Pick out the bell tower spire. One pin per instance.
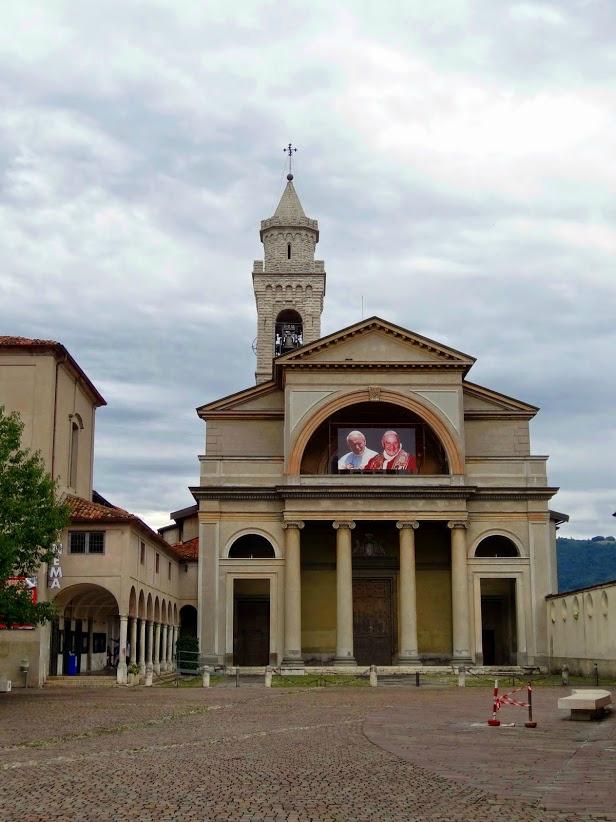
(289, 284)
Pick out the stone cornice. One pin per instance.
(349, 492)
(372, 365)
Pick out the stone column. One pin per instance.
(292, 597)
(157, 647)
(149, 665)
(133, 640)
(344, 594)
(142, 647)
(170, 633)
(163, 650)
(90, 644)
(121, 672)
(408, 653)
(459, 593)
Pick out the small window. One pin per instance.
(288, 251)
(78, 542)
(157, 563)
(99, 643)
(87, 542)
(142, 553)
(96, 542)
(169, 572)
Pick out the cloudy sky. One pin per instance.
(458, 154)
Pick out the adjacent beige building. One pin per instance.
(118, 586)
(444, 554)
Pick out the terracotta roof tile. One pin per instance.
(187, 551)
(27, 342)
(83, 510)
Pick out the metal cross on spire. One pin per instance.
(289, 150)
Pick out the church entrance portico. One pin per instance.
(378, 592)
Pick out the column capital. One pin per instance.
(457, 523)
(411, 523)
(347, 523)
(293, 524)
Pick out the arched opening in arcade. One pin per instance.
(373, 438)
(188, 621)
(85, 633)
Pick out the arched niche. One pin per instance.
(251, 546)
(496, 546)
(335, 444)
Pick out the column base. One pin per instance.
(149, 670)
(122, 673)
(292, 665)
(461, 660)
(408, 659)
(345, 662)
(157, 668)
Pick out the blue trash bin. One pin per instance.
(72, 665)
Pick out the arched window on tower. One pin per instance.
(288, 332)
(73, 460)
(288, 251)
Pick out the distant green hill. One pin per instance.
(583, 562)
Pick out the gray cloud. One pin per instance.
(458, 156)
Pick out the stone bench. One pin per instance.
(587, 703)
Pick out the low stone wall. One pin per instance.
(582, 630)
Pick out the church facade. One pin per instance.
(364, 502)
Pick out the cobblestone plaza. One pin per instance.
(331, 753)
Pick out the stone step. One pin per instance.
(80, 681)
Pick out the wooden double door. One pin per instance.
(373, 622)
(251, 630)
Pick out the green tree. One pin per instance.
(31, 518)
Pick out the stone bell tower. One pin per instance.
(289, 284)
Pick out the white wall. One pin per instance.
(582, 630)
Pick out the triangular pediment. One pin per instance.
(263, 401)
(484, 403)
(375, 342)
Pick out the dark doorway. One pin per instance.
(251, 623)
(372, 621)
(54, 647)
(188, 621)
(498, 622)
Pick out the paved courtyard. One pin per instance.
(320, 754)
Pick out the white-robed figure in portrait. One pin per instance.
(358, 455)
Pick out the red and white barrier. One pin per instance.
(507, 699)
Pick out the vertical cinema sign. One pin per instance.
(54, 574)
